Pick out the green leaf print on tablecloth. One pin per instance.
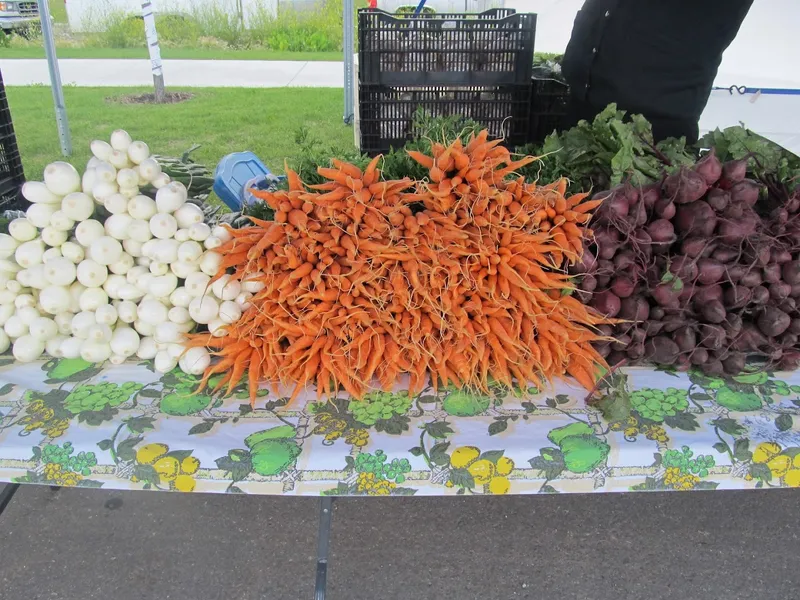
(65, 422)
(64, 370)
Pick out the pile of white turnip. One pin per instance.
(100, 271)
(697, 276)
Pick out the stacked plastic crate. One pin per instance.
(475, 65)
(549, 102)
(11, 174)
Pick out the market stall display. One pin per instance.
(318, 294)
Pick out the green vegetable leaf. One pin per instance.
(741, 450)
(683, 421)
(784, 422)
(438, 429)
(125, 449)
(721, 447)
(498, 426)
(729, 426)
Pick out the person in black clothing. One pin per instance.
(653, 57)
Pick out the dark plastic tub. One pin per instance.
(489, 48)
(386, 113)
(549, 100)
(11, 174)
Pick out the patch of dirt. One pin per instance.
(169, 98)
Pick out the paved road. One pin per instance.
(177, 73)
(97, 545)
(244, 73)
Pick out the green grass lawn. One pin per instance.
(223, 120)
(174, 53)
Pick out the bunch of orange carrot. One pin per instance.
(457, 279)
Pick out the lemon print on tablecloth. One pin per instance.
(150, 453)
(765, 451)
(177, 469)
(463, 456)
(481, 471)
(783, 464)
(469, 468)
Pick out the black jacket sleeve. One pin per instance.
(655, 57)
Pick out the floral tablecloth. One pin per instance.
(69, 423)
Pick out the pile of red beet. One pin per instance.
(702, 268)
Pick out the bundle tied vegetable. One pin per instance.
(702, 269)
(458, 278)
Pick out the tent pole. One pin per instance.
(349, 62)
(55, 79)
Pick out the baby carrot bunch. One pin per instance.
(457, 279)
(473, 181)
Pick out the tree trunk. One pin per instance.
(154, 50)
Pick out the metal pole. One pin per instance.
(55, 79)
(240, 9)
(323, 541)
(154, 49)
(349, 63)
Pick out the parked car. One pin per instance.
(18, 15)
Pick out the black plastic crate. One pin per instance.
(11, 174)
(386, 113)
(494, 47)
(549, 101)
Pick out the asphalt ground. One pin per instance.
(94, 544)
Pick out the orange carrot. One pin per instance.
(460, 280)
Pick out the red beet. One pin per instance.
(791, 272)
(773, 321)
(684, 268)
(718, 199)
(694, 247)
(685, 186)
(697, 218)
(606, 303)
(662, 350)
(713, 312)
(664, 208)
(649, 195)
(709, 271)
(699, 356)
(622, 286)
(712, 336)
(734, 231)
(759, 295)
(733, 172)
(686, 338)
(709, 167)
(634, 308)
(661, 231)
(707, 293)
(745, 192)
